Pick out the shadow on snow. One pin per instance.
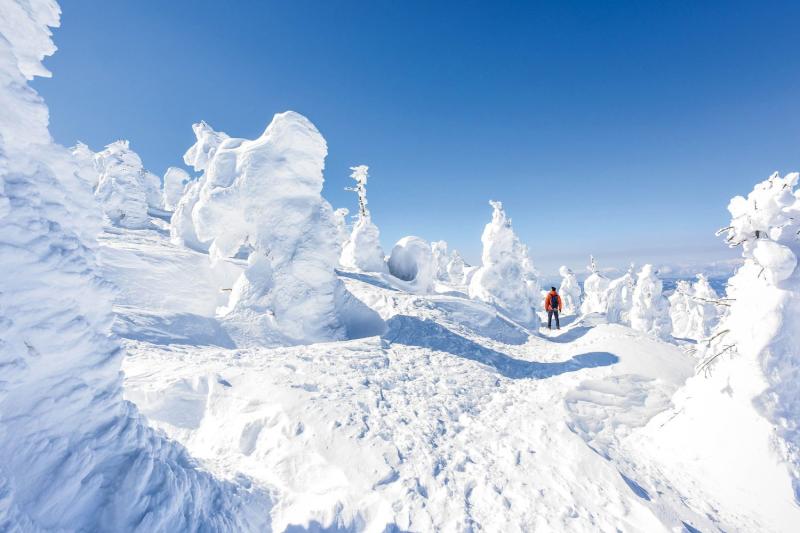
(413, 331)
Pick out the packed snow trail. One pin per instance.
(455, 419)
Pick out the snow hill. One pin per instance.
(192, 358)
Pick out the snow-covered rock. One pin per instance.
(363, 249)
(619, 298)
(502, 280)
(175, 181)
(595, 290)
(570, 291)
(122, 189)
(265, 195)
(411, 260)
(75, 455)
(650, 310)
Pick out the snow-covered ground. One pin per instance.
(454, 419)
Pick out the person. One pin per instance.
(552, 304)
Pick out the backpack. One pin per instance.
(554, 301)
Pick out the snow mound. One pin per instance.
(504, 278)
(570, 291)
(411, 260)
(76, 456)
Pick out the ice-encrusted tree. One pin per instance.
(122, 189)
(501, 280)
(76, 456)
(340, 219)
(570, 291)
(363, 249)
(175, 181)
(455, 268)
(595, 290)
(650, 310)
(265, 195)
(440, 260)
(619, 299)
(694, 309)
(531, 275)
(680, 309)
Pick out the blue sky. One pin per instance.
(615, 128)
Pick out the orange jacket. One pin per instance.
(547, 306)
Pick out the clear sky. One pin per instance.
(615, 128)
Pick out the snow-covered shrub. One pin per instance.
(693, 309)
(619, 299)
(175, 181)
(265, 195)
(121, 189)
(650, 310)
(570, 291)
(440, 260)
(363, 250)
(501, 280)
(680, 309)
(411, 260)
(455, 269)
(75, 456)
(595, 290)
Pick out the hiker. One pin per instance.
(552, 304)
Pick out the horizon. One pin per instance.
(615, 130)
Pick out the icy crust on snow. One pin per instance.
(411, 260)
(737, 421)
(505, 278)
(75, 455)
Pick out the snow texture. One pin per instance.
(456, 269)
(570, 291)
(175, 181)
(123, 188)
(363, 249)
(650, 310)
(440, 260)
(411, 260)
(76, 456)
(619, 298)
(504, 278)
(595, 290)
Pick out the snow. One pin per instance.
(570, 291)
(363, 251)
(595, 290)
(650, 310)
(505, 278)
(408, 405)
(411, 260)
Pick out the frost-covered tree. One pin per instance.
(650, 310)
(619, 299)
(265, 195)
(340, 219)
(595, 290)
(570, 291)
(363, 249)
(440, 260)
(121, 188)
(411, 260)
(502, 278)
(175, 181)
(531, 275)
(681, 307)
(75, 455)
(455, 268)
(694, 309)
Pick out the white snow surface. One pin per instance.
(175, 181)
(650, 310)
(595, 290)
(411, 260)
(123, 188)
(570, 291)
(619, 298)
(363, 250)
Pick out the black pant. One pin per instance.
(550, 313)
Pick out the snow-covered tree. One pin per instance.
(595, 290)
(440, 260)
(619, 299)
(501, 280)
(340, 219)
(411, 260)
(76, 456)
(650, 310)
(570, 291)
(363, 249)
(531, 275)
(175, 181)
(455, 268)
(681, 307)
(694, 309)
(266, 194)
(121, 188)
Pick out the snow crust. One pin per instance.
(505, 279)
(76, 456)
